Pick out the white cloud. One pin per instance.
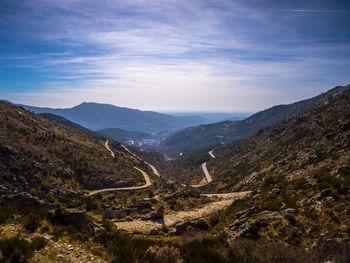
(169, 55)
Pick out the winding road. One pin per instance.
(109, 149)
(148, 182)
(154, 169)
(172, 219)
(208, 177)
(211, 154)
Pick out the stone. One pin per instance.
(290, 211)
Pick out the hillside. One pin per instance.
(300, 172)
(206, 136)
(95, 116)
(37, 152)
(61, 120)
(295, 210)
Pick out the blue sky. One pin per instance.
(189, 55)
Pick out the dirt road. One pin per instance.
(148, 182)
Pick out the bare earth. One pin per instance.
(145, 226)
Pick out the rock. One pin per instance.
(75, 211)
(104, 205)
(158, 213)
(24, 198)
(141, 205)
(246, 213)
(277, 191)
(249, 229)
(290, 211)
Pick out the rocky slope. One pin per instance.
(38, 153)
(300, 172)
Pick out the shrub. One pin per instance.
(204, 250)
(32, 222)
(18, 249)
(38, 243)
(162, 254)
(5, 214)
(247, 251)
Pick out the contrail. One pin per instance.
(318, 11)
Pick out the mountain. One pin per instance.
(206, 136)
(297, 209)
(299, 171)
(95, 116)
(124, 135)
(212, 117)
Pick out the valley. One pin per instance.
(165, 131)
(281, 178)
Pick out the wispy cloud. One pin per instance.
(188, 55)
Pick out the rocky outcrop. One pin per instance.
(24, 198)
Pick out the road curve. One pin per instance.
(148, 182)
(206, 172)
(154, 169)
(109, 149)
(211, 154)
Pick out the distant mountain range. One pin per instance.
(206, 136)
(212, 117)
(95, 116)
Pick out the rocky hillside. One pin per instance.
(300, 172)
(206, 136)
(38, 153)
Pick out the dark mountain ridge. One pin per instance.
(61, 120)
(210, 135)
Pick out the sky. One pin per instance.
(205, 55)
